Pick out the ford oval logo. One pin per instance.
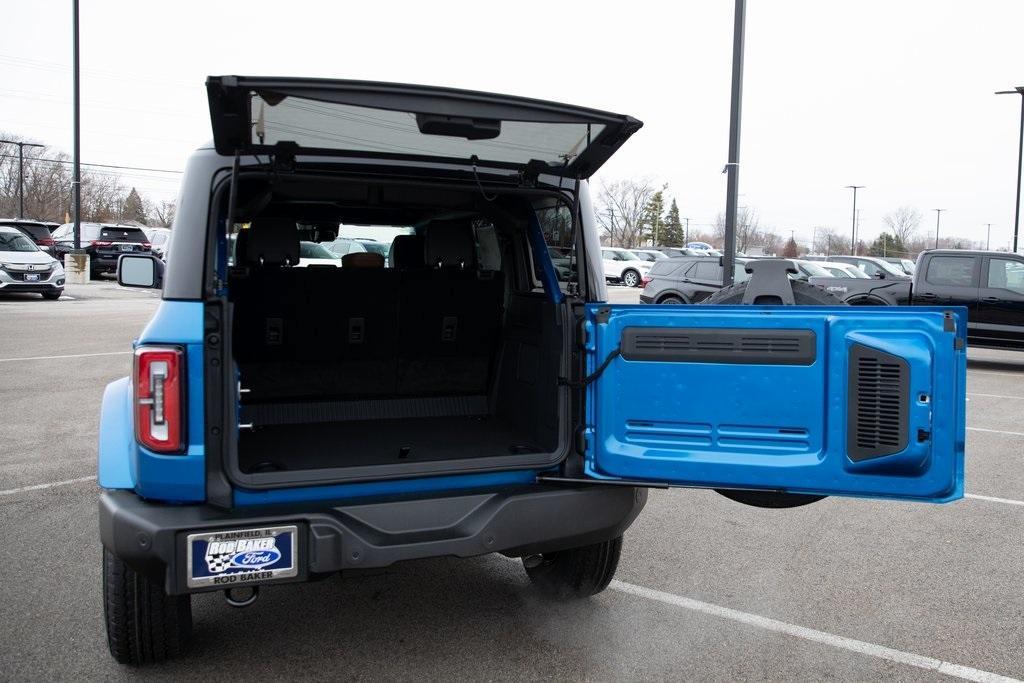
(255, 559)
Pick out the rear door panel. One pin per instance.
(842, 401)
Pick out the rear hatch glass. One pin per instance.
(123, 235)
(387, 120)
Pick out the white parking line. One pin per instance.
(48, 485)
(993, 499)
(994, 431)
(1017, 398)
(72, 355)
(841, 642)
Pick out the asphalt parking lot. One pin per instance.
(707, 588)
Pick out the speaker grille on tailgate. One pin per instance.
(879, 396)
(741, 346)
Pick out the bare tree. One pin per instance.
(903, 223)
(621, 210)
(771, 242)
(747, 228)
(162, 213)
(829, 241)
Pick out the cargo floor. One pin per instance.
(377, 442)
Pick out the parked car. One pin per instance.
(159, 240)
(675, 252)
(286, 424)
(37, 231)
(375, 246)
(104, 242)
(342, 246)
(874, 267)
(837, 269)
(24, 267)
(904, 264)
(622, 265)
(808, 269)
(316, 254)
(649, 255)
(686, 280)
(989, 284)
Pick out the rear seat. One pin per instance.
(450, 316)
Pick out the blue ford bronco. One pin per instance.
(288, 419)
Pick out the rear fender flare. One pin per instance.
(117, 437)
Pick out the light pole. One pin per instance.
(21, 171)
(733, 165)
(938, 215)
(1019, 90)
(686, 232)
(988, 237)
(853, 221)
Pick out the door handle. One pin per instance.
(927, 295)
(991, 299)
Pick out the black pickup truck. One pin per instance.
(989, 283)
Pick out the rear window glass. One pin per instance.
(327, 125)
(951, 271)
(314, 250)
(665, 267)
(123, 234)
(36, 232)
(556, 226)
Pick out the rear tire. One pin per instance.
(145, 625)
(804, 294)
(577, 572)
(674, 300)
(631, 278)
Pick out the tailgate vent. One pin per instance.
(879, 404)
(730, 346)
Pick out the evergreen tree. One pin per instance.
(672, 228)
(133, 210)
(791, 250)
(887, 245)
(653, 219)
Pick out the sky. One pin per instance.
(896, 96)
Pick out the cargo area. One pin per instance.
(442, 349)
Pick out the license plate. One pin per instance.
(237, 557)
(127, 247)
(31, 277)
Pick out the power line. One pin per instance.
(67, 161)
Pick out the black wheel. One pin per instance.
(144, 624)
(671, 299)
(575, 573)
(631, 278)
(53, 296)
(804, 294)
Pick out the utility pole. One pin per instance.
(1019, 90)
(77, 181)
(686, 232)
(21, 171)
(938, 215)
(732, 167)
(988, 237)
(853, 220)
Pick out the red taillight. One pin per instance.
(146, 245)
(101, 243)
(46, 242)
(645, 280)
(159, 398)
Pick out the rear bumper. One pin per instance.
(152, 537)
(644, 299)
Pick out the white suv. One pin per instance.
(624, 266)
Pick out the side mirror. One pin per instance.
(880, 275)
(140, 270)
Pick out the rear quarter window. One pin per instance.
(664, 268)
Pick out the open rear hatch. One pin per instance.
(257, 115)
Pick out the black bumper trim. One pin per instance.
(539, 518)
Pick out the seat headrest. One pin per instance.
(406, 252)
(272, 242)
(362, 259)
(450, 244)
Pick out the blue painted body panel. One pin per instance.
(775, 426)
(245, 497)
(122, 462)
